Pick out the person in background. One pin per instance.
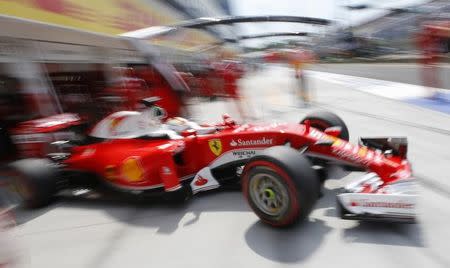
(431, 43)
(230, 71)
(299, 59)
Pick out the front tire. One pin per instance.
(324, 119)
(35, 181)
(280, 186)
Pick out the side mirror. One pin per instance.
(333, 131)
(189, 132)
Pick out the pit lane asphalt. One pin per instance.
(397, 72)
(219, 230)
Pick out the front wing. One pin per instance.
(395, 202)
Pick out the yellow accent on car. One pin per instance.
(337, 142)
(362, 151)
(132, 169)
(215, 145)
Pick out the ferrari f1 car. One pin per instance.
(280, 166)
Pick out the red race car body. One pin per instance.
(136, 152)
(223, 146)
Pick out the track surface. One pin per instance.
(397, 72)
(219, 230)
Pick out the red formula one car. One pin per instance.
(280, 166)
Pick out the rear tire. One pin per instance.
(324, 119)
(280, 186)
(35, 181)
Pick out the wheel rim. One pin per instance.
(269, 194)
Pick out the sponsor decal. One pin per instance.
(381, 204)
(319, 135)
(200, 181)
(244, 154)
(215, 145)
(350, 153)
(114, 123)
(241, 142)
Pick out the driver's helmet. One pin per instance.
(158, 112)
(154, 116)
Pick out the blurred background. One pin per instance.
(383, 64)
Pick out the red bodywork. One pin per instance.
(33, 137)
(144, 164)
(431, 41)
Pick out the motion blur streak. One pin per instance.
(72, 72)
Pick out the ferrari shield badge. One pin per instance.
(216, 146)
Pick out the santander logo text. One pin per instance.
(241, 142)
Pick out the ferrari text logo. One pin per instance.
(216, 146)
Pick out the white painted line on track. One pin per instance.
(388, 89)
(405, 65)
